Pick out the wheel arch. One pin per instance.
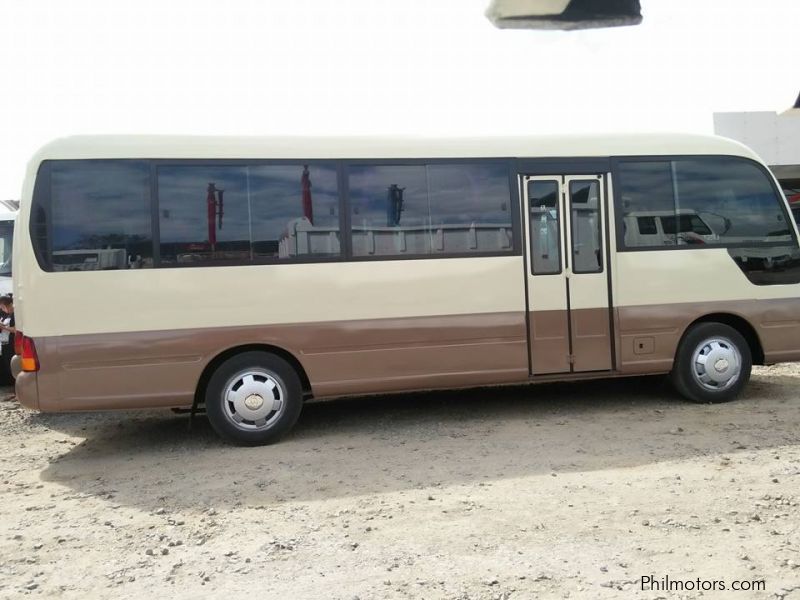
(738, 323)
(211, 366)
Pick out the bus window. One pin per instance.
(545, 226)
(587, 250)
(242, 213)
(97, 208)
(703, 200)
(430, 209)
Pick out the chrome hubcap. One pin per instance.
(253, 399)
(716, 364)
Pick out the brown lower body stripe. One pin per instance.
(162, 368)
(649, 335)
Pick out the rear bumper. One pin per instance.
(27, 389)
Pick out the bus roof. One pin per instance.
(387, 147)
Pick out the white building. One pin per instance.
(774, 136)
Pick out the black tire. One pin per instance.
(683, 374)
(265, 370)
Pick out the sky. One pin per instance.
(411, 67)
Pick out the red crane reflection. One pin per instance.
(214, 201)
(305, 183)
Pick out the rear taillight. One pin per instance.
(29, 362)
(18, 343)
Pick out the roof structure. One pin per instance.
(386, 147)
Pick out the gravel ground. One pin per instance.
(551, 491)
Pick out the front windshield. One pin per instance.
(6, 237)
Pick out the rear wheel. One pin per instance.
(712, 364)
(253, 398)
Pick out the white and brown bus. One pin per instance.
(250, 274)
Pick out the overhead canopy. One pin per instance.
(787, 173)
(563, 14)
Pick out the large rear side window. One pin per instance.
(93, 216)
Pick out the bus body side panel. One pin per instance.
(148, 369)
(355, 327)
(660, 293)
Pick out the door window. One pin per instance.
(545, 222)
(587, 250)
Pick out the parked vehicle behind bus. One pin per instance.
(247, 275)
(8, 215)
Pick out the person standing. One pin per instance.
(7, 334)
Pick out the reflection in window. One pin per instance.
(545, 220)
(430, 209)
(734, 198)
(700, 201)
(647, 225)
(587, 256)
(688, 223)
(646, 190)
(100, 216)
(769, 265)
(247, 213)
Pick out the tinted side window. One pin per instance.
(470, 208)
(779, 265)
(390, 211)
(294, 211)
(734, 198)
(430, 209)
(700, 201)
(646, 193)
(213, 213)
(99, 216)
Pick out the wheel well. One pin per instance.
(223, 356)
(740, 325)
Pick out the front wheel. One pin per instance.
(253, 398)
(712, 364)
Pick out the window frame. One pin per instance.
(619, 213)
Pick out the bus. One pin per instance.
(8, 214)
(246, 276)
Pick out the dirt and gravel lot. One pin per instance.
(552, 491)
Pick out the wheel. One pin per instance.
(712, 364)
(253, 398)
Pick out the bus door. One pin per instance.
(569, 326)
